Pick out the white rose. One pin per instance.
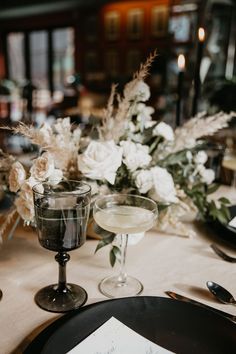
(144, 181)
(135, 155)
(55, 177)
(164, 130)
(16, 177)
(163, 186)
(201, 157)
(139, 90)
(43, 167)
(207, 175)
(100, 160)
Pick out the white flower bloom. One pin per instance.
(149, 124)
(94, 187)
(131, 126)
(62, 125)
(25, 206)
(144, 112)
(135, 155)
(201, 157)
(77, 134)
(140, 91)
(207, 174)
(30, 183)
(43, 167)
(100, 160)
(144, 181)
(163, 186)
(164, 130)
(189, 156)
(16, 177)
(55, 177)
(24, 202)
(45, 134)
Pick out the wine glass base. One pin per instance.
(112, 287)
(53, 299)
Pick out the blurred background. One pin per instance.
(59, 58)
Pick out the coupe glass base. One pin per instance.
(53, 299)
(112, 287)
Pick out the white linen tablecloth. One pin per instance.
(160, 261)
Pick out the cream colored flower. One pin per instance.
(63, 125)
(45, 134)
(16, 177)
(163, 186)
(207, 174)
(139, 91)
(55, 177)
(144, 181)
(164, 130)
(135, 155)
(144, 112)
(43, 167)
(25, 206)
(201, 157)
(100, 160)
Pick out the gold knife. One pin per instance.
(179, 297)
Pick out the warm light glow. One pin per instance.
(181, 62)
(201, 34)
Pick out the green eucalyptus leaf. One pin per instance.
(212, 188)
(112, 257)
(105, 241)
(224, 200)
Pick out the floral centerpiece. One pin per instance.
(132, 153)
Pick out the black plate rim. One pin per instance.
(40, 341)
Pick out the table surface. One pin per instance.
(160, 261)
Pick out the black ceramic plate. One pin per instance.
(225, 232)
(177, 326)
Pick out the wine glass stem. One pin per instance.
(123, 248)
(62, 258)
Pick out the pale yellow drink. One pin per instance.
(122, 219)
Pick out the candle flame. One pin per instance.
(201, 34)
(181, 62)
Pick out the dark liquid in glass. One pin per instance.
(61, 229)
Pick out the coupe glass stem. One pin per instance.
(122, 277)
(62, 258)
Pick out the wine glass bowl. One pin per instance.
(61, 216)
(123, 214)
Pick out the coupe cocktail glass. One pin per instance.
(123, 214)
(61, 215)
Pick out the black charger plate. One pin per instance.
(177, 326)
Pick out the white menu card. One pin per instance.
(113, 337)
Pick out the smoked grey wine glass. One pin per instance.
(61, 215)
